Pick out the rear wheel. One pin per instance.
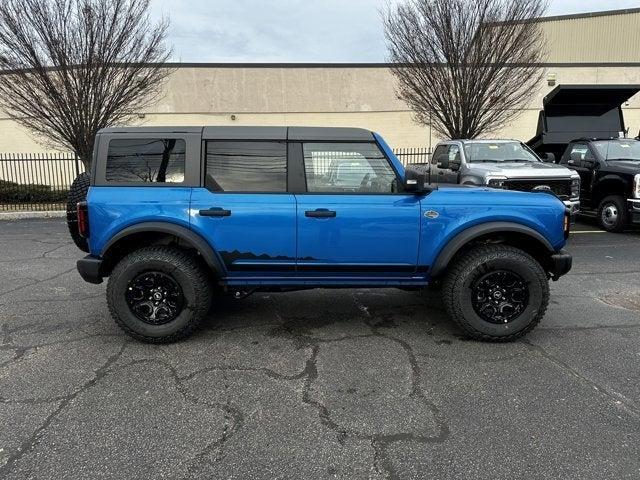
(496, 293)
(159, 294)
(77, 193)
(612, 214)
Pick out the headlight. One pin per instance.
(575, 187)
(636, 186)
(496, 182)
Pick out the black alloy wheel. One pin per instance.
(500, 296)
(155, 298)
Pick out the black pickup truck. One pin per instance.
(609, 170)
(581, 127)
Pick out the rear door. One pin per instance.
(351, 220)
(243, 207)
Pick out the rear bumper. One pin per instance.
(561, 263)
(89, 269)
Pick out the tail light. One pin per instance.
(567, 223)
(83, 219)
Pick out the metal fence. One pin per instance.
(413, 156)
(41, 181)
(36, 181)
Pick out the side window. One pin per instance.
(577, 154)
(440, 150)
(347, 168)
(454, 153)
(246, 166)
(146, 160)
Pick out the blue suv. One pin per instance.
(174, 216)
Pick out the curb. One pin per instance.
(27, 215)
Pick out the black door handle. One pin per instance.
(320, 213)
(215, 212)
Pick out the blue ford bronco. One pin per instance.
(174, 216)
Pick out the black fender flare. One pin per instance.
(599, 185)
(200, 244)
(461, 239)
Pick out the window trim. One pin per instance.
(203, 167)
(191, 160)
(373, 141)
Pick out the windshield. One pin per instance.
(618, 149)
(498, 152)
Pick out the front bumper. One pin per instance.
(573, 206)
(634, 210)
(561, 263)
(89, 269)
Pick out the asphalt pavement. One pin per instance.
(349, 384)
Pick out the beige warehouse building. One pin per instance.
(594, 48)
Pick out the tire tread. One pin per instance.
(77, 193)
(463, 265)
(182, 260)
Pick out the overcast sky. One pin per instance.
(295, 30)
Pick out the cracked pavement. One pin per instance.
(349, 384)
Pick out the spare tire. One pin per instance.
(77, 193)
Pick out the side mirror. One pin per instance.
(414, 181)
(442, 160)
(549, 158)
(455, 165)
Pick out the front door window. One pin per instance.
(347, 168)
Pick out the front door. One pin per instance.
(579, 157)
(351, 220)
(244, 209)
(445, 175)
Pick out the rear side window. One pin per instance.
(246, 166)
(146, 160)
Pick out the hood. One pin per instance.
(521, 169)
(627, 166)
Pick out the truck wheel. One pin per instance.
(496, 293)
(158, 294)
(77, 193)
(612, 214)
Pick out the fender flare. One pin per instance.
(609, 179)
(456, 243)
(201, 245)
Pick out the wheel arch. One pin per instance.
(517, 235)
(609, 185)
(146, 233)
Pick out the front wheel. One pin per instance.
(496, 293)
(612, 214)
(158, 294)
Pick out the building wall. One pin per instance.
(364, 96)
(594, 38)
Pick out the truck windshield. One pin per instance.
(498, 152)
(618, 149)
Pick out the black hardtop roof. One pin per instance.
(318, 134)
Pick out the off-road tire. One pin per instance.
(473, 264)
(77, 193)
(620, 204)
(184, 269)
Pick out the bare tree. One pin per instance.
(465, 67)
(71, 67)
